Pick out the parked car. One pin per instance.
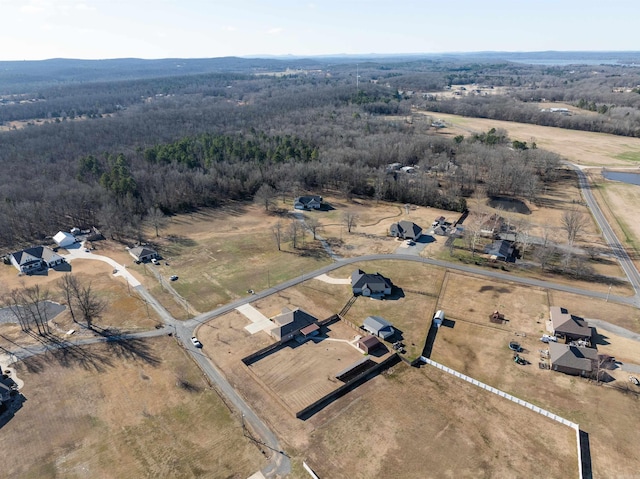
(195, 342)
(410, 242)
(173, 278)
(634, 380)
(547, 338)
(155, 261)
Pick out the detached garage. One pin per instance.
(378, 327)
(64, 239)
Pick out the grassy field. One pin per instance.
(582, 147)
(221, 254)
(143, 411)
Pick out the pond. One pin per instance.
(509, 204)
(630, 178)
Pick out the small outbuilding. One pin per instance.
(378, 327)
(143, 254)
(64, 239)
(368, 344)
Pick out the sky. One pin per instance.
(100, 29)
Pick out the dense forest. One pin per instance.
(112, 151)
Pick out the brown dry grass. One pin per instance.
(478, 348)
(220, 254)
(124, 416)
(582, 147)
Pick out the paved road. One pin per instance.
(607, 232)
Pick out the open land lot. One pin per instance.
(220, 254)
(582, 147)
(479, 348)
(137, 411)
(379, 429)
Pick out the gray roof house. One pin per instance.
(372, 285)
(35, 258)
(500, 249)
(574, 360)
(289, 323)
(568, 326)
(406, 230)
(307, 202)
(142, 253)
(378, 326)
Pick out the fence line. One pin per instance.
(514, 399)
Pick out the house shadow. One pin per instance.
(396, 294)
(39, 272)
(426, 239)
(598, 339)
(62, 267)
(326, 207)
(379, 351)
(605, 377)
(8, 410)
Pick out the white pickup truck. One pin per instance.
(547, 338)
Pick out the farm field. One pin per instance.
(139, 410)
(582, 147)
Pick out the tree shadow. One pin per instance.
(124, 347)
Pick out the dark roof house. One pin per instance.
(307, 202)
(372, 285)
(378, 327)
(35, 258)
(500, 249)
(574, 360)
(568, 326)
(406, 230)
(142, 253)
(289, 323)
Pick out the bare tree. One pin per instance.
(35, 303)
(545, 254)
(574, 222)
(350, 219)
(314, 225)
(90, 304)
(68, 286)
(473, 229)
(296, 231)
(157, 219)
(265, 196)
(523, 235)
(277, 234)
(15, 301)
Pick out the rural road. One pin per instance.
(614, 243)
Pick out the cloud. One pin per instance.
(229, 28)
(274, 31)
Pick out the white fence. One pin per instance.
(514, 399)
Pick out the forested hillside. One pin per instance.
(109, 153)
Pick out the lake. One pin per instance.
(630, 178)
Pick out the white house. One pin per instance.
(64, 239)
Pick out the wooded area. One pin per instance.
(107, 153)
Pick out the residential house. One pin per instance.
(143, 254)
(501, 249)
(574, 360)
(368, 344)
(371, 285)
(378, 327)
(35, 259)
(493, 225)
(289, 323)
(568, 326)
(64, 239)
(307, 202)
(406, 230)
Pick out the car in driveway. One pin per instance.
(195, 342)
(410, 242)
(547, 338)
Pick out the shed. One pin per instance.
(378, 327)
(368, 344)
(64, 239)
